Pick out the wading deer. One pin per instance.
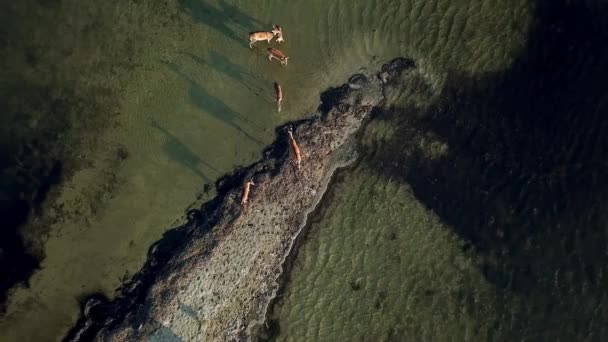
(246, 189)
(278, 31)
(279, 95)
(295, 150)
(278, 55)
(260, 36)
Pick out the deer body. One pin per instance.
(278, 31)
(294, 148)
(246, 189)
(260, 36)
(278, 55)
(279, 95)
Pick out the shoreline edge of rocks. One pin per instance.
(214, 277)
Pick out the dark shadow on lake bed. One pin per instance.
(228, 19)
(52, 114)
(182, 154)
(216, 107)
(237, 72)
(524, 181)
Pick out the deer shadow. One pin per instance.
(227, 19)
(182, 154)
(236, 72)
(215, 107)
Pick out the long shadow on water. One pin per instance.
(525, 179)
(228, 19)
(177, 151)
(234, 71)
(214, 106)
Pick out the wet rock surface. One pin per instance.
(214, 277)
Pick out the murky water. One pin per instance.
(196, 103)
(475, 214)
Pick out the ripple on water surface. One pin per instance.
(202, 103)
(476, 213)
(380, 266)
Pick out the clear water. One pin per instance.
(198, 103)
(379, 266)
(476, 212)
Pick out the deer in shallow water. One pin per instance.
(295, 150)
(260, 36)
(279, 95)
(246, 189)
(278, 55)
(278, 31)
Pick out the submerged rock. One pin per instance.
(391, 70)
(213, 278)
(357, 81)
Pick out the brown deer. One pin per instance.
(279, 95)
(278, 31)
(260, 36)
(278, 55)
(246, 189)
(295, 150)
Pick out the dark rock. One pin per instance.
(395, 67)
(343, 107)
(357, 81)
(194, 216)
(332, 97)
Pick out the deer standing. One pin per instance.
(278, 55)
(260, 36)
(279, 95)
(246, 189)
(278, 31)
(294, 148)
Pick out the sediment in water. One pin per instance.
(214, 277)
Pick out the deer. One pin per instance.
(278, 31)
(260, 36)
(294, 148)
(279, 95)
(246, 189)
(278, 55)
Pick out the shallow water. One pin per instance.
(379, 266)
(474, 214)
(196, 104)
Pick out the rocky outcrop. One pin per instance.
(213, 278)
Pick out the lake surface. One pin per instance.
(194, 102)
(475, 214)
